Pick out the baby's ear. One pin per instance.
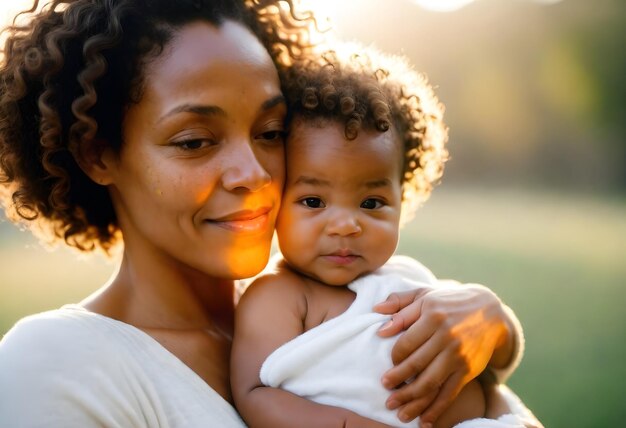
(97, 159)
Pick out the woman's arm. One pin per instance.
(452, 333)
(269, 314)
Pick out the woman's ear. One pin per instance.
(98, 160)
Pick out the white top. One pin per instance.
(341, 361)
(74, 368)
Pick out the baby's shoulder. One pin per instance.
(281, 287)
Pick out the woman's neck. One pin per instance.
(150, 291)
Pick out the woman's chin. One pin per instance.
(246, 263)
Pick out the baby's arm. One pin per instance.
(270, 313)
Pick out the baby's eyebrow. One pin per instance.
(312, 181)
(383, 182)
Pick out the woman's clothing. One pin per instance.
(340, 362)
(74, 368)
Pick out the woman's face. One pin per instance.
(199, 176)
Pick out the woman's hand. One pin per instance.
(452, 333)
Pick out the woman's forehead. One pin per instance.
(209, 65)
(199, 42)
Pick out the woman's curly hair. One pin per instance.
(363, 88)
(70, 69)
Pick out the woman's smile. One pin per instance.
(245, 221)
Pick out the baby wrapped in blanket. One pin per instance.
(366, 141)
(340, 362)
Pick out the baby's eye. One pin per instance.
(312, 202)
(372, 204)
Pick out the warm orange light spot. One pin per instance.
(247, 255)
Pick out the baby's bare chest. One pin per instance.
(325, 303)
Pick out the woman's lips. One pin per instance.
(245, 221)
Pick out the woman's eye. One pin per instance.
(274, 136)
(312, 203)
(193, 144)
(372, 204)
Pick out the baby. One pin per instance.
(366, 146)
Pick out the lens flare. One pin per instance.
(452, 5)
(324, 11)
(442, 5)
(8, 10)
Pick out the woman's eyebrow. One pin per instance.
(210, 110)
(203, 110)
(272, 102)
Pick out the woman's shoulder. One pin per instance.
(72, 367)
(58, 366)
(63, 333)
(67, 342)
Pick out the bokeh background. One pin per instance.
(533, 201)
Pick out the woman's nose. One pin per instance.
(343, 223)
(243, 170)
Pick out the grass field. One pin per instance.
(559, 261)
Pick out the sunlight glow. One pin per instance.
(452, 5)
(442, 5)
(324, 11)
(8, 9)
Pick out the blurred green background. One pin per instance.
(557, 259)
(533, 202)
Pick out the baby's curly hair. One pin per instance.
(68, 72)
(363, 88)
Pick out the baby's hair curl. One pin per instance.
(68, 72)
(363, 88)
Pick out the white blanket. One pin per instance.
(340, 362)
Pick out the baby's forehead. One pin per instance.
(319, 150)
(309, 124)
(307, 134)
(317, 121)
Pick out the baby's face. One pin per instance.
(340, 211)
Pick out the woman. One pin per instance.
(160, 123)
